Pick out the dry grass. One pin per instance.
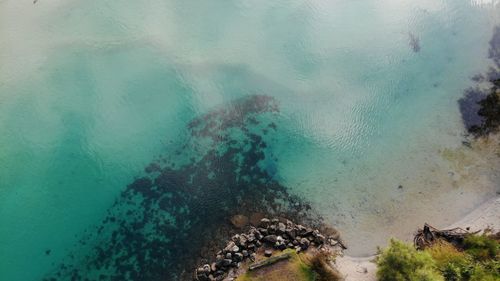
(324, 272)
(300, 267)
(443, 252)
(294, 269)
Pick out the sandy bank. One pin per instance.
(487, 215)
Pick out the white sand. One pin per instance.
(487, 215)
(359, 269)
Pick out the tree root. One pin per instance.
(427, 236)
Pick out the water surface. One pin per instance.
(349, 107)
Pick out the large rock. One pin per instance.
(238, 257)
(203, 272)
(272, 229)
(250, 238)
(281, 228)
(242, 241)
(235, 249)
(279, 245)
(304, 243)
(229, 246)
(263, 231)
(255, 233)
(290, 232)
(320, 239)
(270, 239)
(264, 223)
(235, 238)
(226, 262)
(218, 258)
(306, 231)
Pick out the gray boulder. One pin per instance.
(270, 239)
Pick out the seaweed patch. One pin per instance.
(162, 222)
(480, 106)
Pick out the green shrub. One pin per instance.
(456, 272)
(481, 247)
(482, 273)
(402, 262)
(493, 266)
(478, 260)
(489, 270)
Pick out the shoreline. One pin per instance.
(262, 239)
(485, 216)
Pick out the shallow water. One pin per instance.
(93, 92)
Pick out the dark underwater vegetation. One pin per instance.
(163, 220)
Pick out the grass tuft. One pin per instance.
(320, 265)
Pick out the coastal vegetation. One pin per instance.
(474, 258)
(275, 249)
(401, 261)
(322, 269)
(299, 267)
(295, 268)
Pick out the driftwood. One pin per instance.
(429, 235)
(269, 261)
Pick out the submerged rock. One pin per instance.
(414, 42)
(239, 221)
(255, 218)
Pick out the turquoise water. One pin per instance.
(93, 92)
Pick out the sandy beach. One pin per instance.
(486, 216)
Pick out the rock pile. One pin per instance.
(272, 234)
